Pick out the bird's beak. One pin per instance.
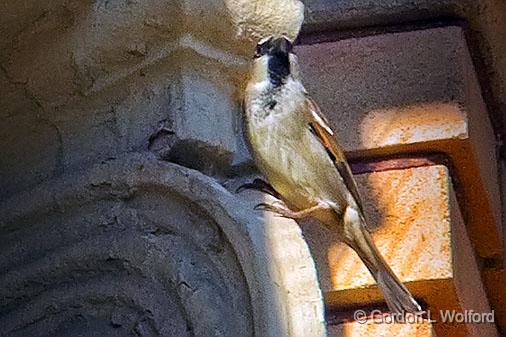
(281, 46)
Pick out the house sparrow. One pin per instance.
(294, 147)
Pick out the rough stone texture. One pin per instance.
(419, 230)
(373, 329)
(261, 18)
(84, 82)
(408, 211)
(483, 18)
(141, 247)
(413, 92)
(133, 245)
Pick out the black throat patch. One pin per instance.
(279, 68)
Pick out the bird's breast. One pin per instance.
(278, 148)
(286, 152)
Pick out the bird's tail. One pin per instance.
(397, 297)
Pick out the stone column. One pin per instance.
(107, 227)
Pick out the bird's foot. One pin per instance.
(281, 210)
(277, 208)
(259, 185)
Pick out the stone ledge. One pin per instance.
(413, 92)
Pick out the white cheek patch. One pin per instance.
(263, 85)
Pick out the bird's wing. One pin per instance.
(321, 130)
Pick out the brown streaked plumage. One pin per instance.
(295, 148)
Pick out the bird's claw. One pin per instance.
(263, 207)
(279, 209)
(247, 186)
(259, 185)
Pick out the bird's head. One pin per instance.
(274, 60)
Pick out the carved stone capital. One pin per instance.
(142, 245)
(89, 80)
